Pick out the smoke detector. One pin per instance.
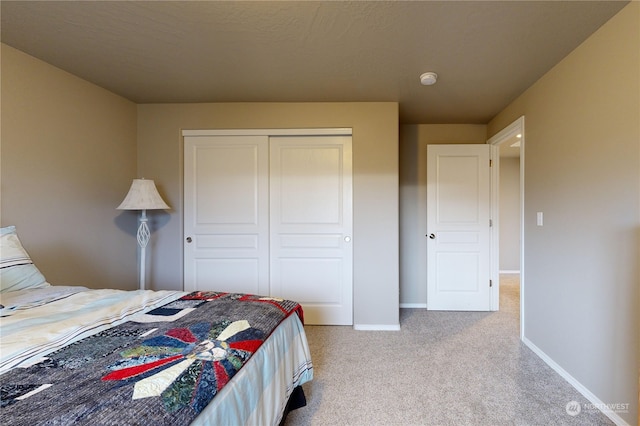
(428, 78)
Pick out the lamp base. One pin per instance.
(143, 239)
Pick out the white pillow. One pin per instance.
(17, 271)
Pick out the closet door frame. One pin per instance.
(347, 317)
(328, 131)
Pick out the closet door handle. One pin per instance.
(432, 236)
(189, 239)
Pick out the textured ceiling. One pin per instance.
(485, 53)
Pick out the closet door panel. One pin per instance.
(241, 275)
(310, 225)
(226, 214)
(322, 279)
(309, 183)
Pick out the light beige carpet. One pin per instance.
(442, 368)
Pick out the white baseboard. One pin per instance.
(414, 305)
(377, 327)
(576, 384)
(509, 271)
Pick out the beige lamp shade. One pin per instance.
(143, 195)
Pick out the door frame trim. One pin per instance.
(334, 131)
(516, 127)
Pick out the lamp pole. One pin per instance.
(143, 240)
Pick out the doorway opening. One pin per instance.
(507, 150)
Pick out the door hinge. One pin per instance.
(490, 163)
(490, 223)
(490, 283)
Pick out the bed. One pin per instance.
(71, 355)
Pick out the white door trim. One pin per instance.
(495, 228)
(334, 131)
(517, 127)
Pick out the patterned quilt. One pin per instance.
(162, 368)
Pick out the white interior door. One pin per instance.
(458, 227)
(226, 214)
(311, 225)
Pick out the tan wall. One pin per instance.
(375, 185)
(582, 169)
(413, 199)
(509, 214)
(67, 160)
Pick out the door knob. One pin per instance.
(432, 236)
(189, 239)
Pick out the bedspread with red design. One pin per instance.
(163, 367)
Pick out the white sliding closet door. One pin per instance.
(226, 214)
(271, 215)
(310, 225)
